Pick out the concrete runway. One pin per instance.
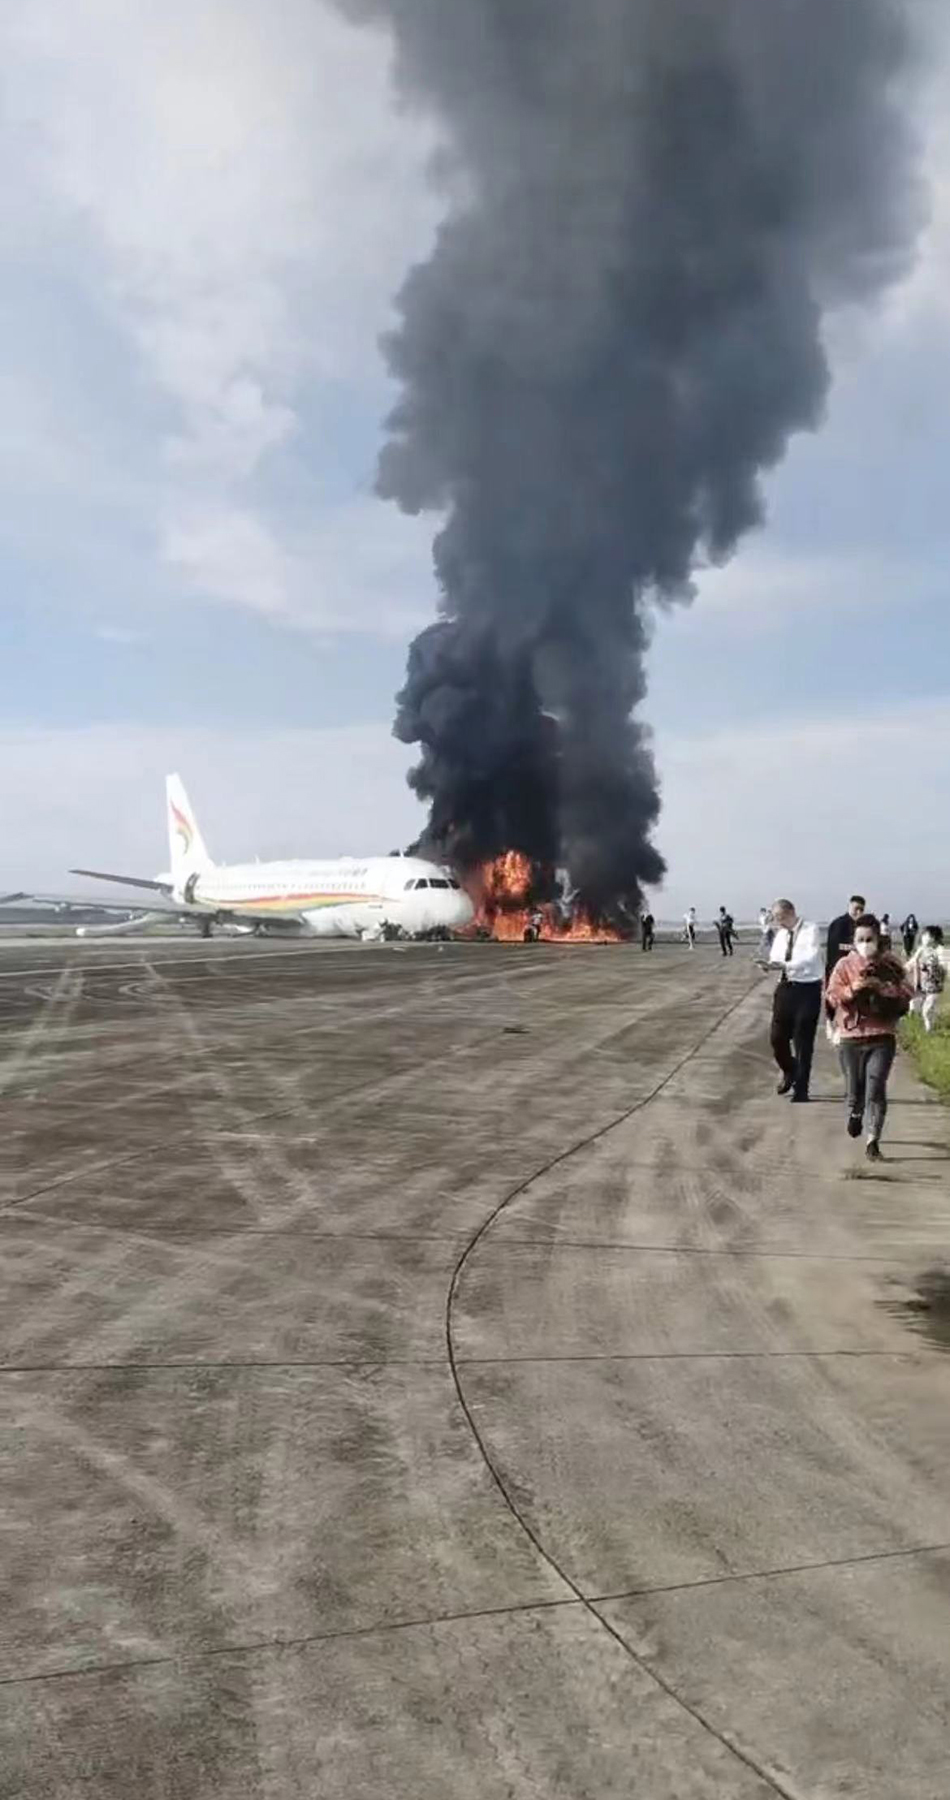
(454, 1375)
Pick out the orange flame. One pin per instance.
(501, 893)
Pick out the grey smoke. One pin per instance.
(619, 329)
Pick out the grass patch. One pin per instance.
(931, 1053)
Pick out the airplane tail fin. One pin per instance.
(187, 849)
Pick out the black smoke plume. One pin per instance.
(654, 203)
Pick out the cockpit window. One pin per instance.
(439, 884)
(409, 887)
(457, 885)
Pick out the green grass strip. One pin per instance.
(931, 1053)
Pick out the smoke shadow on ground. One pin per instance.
(927, 1311)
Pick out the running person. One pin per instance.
(927, 974)
(841, 932)
(725, 925)
(689, 927)
(870, 994)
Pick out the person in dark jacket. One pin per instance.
(841, 933)
(647, 931)
(909, 931)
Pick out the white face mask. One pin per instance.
(927, 941)
(866, 947)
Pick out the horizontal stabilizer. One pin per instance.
(136, 881)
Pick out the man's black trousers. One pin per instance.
(796, 1009)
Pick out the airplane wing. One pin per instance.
(79, 903)
(128, 917)
(136, 881)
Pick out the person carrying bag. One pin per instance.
(870, 994)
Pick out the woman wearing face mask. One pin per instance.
(870, 994)
(927, 974)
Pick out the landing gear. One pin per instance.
(205, 928)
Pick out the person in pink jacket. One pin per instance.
(870, 994)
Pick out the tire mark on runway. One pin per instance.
(387, 1088)
(268, 1168)
(455, 1363)
(289, 1108)
(44, 1031)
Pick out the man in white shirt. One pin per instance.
(689, 922)
(796, 1008)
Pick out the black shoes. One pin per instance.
(855, 1121)
(786, 1084)
(873, 1151)
(800, 1099)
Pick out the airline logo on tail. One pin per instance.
(183, 828)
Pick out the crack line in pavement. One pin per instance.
(261, 1646)
(116, 1162)
(700, 1250)
(438, 1362)
(340, 1361)
(318, 1362)
(454, 1362)
(624, 1356)
(805, 1568)
(157, 1233)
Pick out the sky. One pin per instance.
(207, 208)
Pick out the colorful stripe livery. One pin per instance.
(286, 902)
(183, 828)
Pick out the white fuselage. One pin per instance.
(346, 898)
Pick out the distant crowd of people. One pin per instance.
(865, 986)
(725, 926)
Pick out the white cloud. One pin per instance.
(229, 187)
(120, 636)
(229, 554)
(95, 796)
(814, 810)
(765, 585)
(368, 568)
(359, 567)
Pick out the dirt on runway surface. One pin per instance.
(434, 1373)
